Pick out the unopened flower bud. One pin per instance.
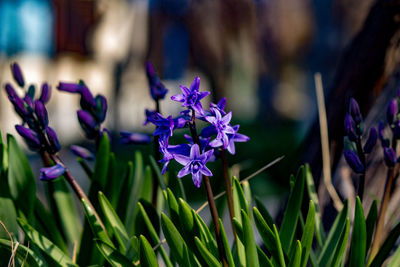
(45, 94)
(391, 111)
(349, 127)
(371, 141)
(354, 161)
(41, 113)
(17, 74)
(87, 100)
(101, 108)
(82, 152)
(389, 156)
(31, 137)
(354, 110)
(69, 87)
(53, 140)
(50, 173)
(88, 123)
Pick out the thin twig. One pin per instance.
(325, 142)
(11, 240)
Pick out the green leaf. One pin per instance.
(207, 255)
(225, 241)
(264, 212)
(319, 230)
(20, 178)
(133, 249)
(147, 255)
(85, 167)
(386, 247)
(173, 206)
(112, 190)
(248, 196)
(371, 221)
(249, 241)
(156, 169)
(395, 260)
(147, 186)
(308, 234)
(263, 259)
(239, 202)
(8, 213)
(359, 237)
(45, 245)
(325, 256)
(296, 259)
(134, 193)
(116, 224)
(205, 234)
(291, 215)
(281, 253)
(24, 254)
(113, 256)
(102, 162)
(95, 225)
(154, 236)
(341, 246)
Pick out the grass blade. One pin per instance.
(147, 256)
(358, 247)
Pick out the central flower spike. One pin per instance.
(195, 164)
(191, 97)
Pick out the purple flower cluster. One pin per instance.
(354, 127)
(34, 129)
(199, 149)
(93, 109)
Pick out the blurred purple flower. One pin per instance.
(389, 156)
(191, 97)
(31, 138)
(157, 89)
(41, 113)
(134, 138)
(17, 74)
(50, 173)
(354, 111)
(349, 127)
(220, 106)
(53, 140)
(88, 123)
(81, 152)
(69, 87)
(222, 127)
(371, 141)
(354, 161)
(45, 94)
(101, 108)
(391, 111)
(87, 100)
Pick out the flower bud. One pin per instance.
(157, 89)
(87, 100)
(371, 141)
(391, 111)
(50, 173)
(31, 137)
(82, 152)
(69, 87)
(41, 113)
(29, 102)
(134, 138)
(354, 110)
(389, 156)
(354, 161)
(17, 74)
(53, 140)
(31, 91)
(19, 107)
(45, 94)
(88, 123)
(10, 91)
(349, 127)
(101, 108)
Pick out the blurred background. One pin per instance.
(260, 54)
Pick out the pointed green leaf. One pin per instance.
(371, 221)
(112, 190)
(102, 162)
(281, 253)
(113, 256)
(395, 260)
(225, 241)
(308, 234)
(205, 234)
(85, 167)
(325, 256)
(359, 237)
(249, 241)
(159, 176)
(263, 259)
(264, 212)
(239, 202)
(173, 206)
(116, 224)
(341, 246)
(133, 249)
(147, 255)
(296, 259)
(45, 245)
(147, 186)
(207, 255)
(386, 247)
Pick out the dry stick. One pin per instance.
(325, 142)
(223, 193)
(12, 243)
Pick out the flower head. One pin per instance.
(81, 152)
(222, 127)
(17, 74)
(45, 94)
(157, 89)
(354, 111)
(195, 164)
(50, 173)
(191, 97)
(354, 161)
(31, 138)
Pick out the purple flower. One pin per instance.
(354, 111)
(134, 138)
(237, 137)
(50, 173)
(391, 111)
(165, 127)
(354, 161)
(10, 91)
(87, 100)
(53, 140)
(195, 164)
(69, 87)
(191, 97)
(41, 113)
(153, 116)
(389, 156)
(17, 74)
(349, 127)
(220, 106)
(222, 127)
(31, 138)
(81, 152)
(371, 141)
(157, 89)
(169, 151)
(45, 94)
(101, 108)
(88, 123)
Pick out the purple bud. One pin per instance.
(101, 108)
(17, 74)
(128, 138)
(31, 91)
(157, 89)
(354, 161)
(10, 91)
(41, 113)
(87, 100)
(349, 127)
(391, 111)
(31, 137)
(50, 173)
(354, 110)
(45, 94)
(82, 152)
(29, 102)
(19, 107)
(69, 87)
(389, 156)
(88, 123)
(371, 141)
(382, 135)
(53, 140)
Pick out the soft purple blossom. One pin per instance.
(50, 173)
(165, 127)
(17, 74)
(354, 111)
(191, 97)
(69, 87)
(31, 138)
(153, 116)
(371, 141)
(354, 161)
(222, 127)
(10, 91)
(81, 152)
(389, 156)
(53, 140)
(157, 89)
(88, 123)
(349, 127)
(45, 94)
(391, 111)
(41, 113)
(134, 138)
(169, 151)
(195, 164)
(220, 106)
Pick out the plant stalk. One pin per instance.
(361, 182)
(157, 157)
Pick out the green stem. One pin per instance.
(361, 184)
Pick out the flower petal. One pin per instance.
(185, 171)
(194, 152)
(206, 171)
(197, 179)
(179, 98)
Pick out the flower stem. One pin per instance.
(361, 183)
(157, 157)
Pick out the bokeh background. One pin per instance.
(260, 54)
